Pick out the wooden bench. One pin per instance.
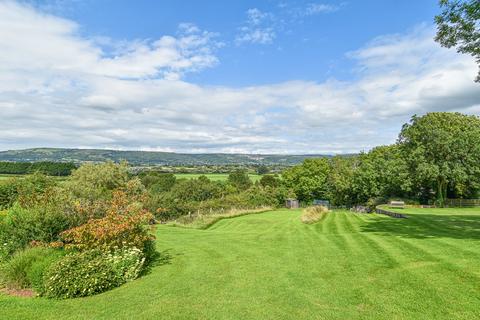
(397, 205)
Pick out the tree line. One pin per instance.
(436, 156)
(47, 167)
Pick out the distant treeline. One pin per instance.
(47, 167)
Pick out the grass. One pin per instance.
(9, 176)
(207, 220)
(272, 266)
(313, 214)
(214, 176)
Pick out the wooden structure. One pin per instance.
(390, 213)
(469, 203)
(323, 203)
(397, 205)
(292, 203)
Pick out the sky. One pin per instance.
(282, 77)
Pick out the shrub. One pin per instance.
(8, 193)
(313, 214)
(26, 268)
(126, 224)
(91, 272)
(21, 226)
(97, 181)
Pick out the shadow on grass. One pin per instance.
(428, 226)
(158, 258)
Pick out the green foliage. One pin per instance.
(21, 226)
(382, 172)
(240, 179)
(92, 272)
(262, 170)
(442, 151)
(97, 181)
(340, 181)
(158, 182)
(26, 268)
(8, 193)
(308, 180)
(459, 26)
(46, 167)
(270, 181)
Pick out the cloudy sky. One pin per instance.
(223, 76)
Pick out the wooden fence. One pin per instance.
(462, 203)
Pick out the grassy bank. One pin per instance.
(206, 221)
(272, 266)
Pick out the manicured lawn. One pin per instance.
(213, 176)
(271, 266)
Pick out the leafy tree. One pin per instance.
(340, 180)
(96, 181)
(158, 182)
(269, 180)
(46, 167)
(308, 180)
(459, 26)
(240, 179)
(262, 170)
(442, 150)
(382, 172)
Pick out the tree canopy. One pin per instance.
(443, 151)
(459, 26)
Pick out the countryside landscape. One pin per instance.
(239, 160)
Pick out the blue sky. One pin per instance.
(223, 76)
(307, 45)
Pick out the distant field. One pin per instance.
(211, 176)
(8, 176)
(272, 266)
(214, 176)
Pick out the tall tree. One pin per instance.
(308, 180)
(442, 149)
(459, 26)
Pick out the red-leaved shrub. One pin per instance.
(126, 224)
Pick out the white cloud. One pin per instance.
(316, 8)
(258, 28)
(58, 88)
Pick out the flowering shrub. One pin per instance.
(126, 224)
(91, 272)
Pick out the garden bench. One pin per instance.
(397, 204)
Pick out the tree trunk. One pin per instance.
(441, 191)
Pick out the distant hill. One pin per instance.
(149, 157)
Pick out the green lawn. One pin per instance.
(271, 266)
(214, 176)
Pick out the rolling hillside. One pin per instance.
(149, 157)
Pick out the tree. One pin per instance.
(262, 170)
(158, 182)
(308, 180)
(269, 180)
(240, 179)
(442, 150)
(95, 181)
(459, 26)
(340, 180)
